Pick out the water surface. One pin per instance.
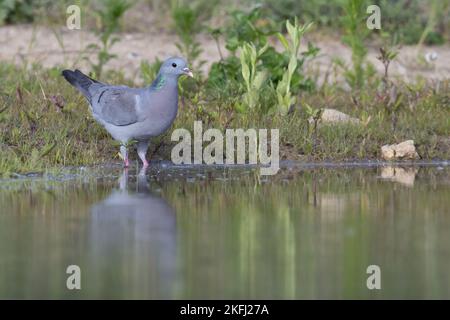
(228, 233)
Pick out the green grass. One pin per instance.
(45, 124)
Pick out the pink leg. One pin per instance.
(142, 151)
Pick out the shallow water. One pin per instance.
(191, 233)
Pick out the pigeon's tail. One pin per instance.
(80, 81)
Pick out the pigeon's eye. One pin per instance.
(174, 65)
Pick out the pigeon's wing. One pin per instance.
(117, 105)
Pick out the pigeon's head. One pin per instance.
(175, 66)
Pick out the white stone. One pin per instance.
(402, 151)
(332, 116)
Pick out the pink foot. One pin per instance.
(126, 163)
(145, 163)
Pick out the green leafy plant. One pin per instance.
(256, 28)
(285, 97)
(12, 11)
(253, 78)
(253, 26)
(109, 15)
(224, 82)
(243, 27)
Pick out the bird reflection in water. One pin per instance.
(134, 241)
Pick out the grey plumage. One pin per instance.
(118, 106)
(134, 113)
(80, 81)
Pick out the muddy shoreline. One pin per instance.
(165, 169)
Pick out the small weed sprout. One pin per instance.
(314, 116)
(390, 96)
(386, 56)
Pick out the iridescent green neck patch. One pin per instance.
(159, 82)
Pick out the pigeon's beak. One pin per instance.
(188, 72)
